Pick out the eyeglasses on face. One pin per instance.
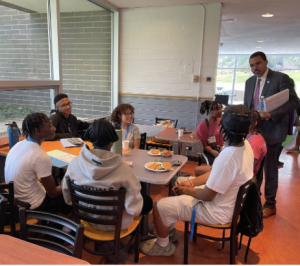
(128, 114)
(66, 104)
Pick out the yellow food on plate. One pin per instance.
(154, 152)
(167, 165)
(153, 166)
(166, 152)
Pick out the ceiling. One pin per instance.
(281, 33)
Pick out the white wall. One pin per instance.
(160, 49)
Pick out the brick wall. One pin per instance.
(86, 58)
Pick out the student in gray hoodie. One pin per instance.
(104, 170)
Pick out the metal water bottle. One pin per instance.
(14, 133)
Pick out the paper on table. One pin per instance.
(67, 144)
(60, 158)
(276, 100)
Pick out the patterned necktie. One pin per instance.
(256, 96)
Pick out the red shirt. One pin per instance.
(259, 148)
(214, 130)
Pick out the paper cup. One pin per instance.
(125, 144)
(180, 133)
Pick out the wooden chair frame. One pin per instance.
(3, 205)
(143, 141)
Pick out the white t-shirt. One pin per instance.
(231, 169)
(133, 133)
(25, 163)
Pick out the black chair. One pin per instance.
(233, 238)
(110, 207)
(143, 141)
(47, 235)
(7, 191)
(3, 204)
(156, 143)
(12, 213)
(260, 173)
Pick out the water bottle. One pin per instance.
(14, 133)
(261, 104)
(117, 146)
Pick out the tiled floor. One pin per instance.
(277, 244)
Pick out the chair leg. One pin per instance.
(236, 245)
(223, 242)
(186, 242)
(240, 246)
(232, 247)
(195, 232)
(247, 250)
(137, 244)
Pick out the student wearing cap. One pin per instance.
(104, 170)
(215, 201)
(66, 124)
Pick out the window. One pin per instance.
(234, 70)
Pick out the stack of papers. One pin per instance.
(60, 158)
(275, 101)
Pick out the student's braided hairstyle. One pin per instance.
(207, 106)
(255, 117)
(33, 121)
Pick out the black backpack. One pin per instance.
(251, 216)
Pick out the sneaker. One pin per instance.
(151, 248)
(173, 236)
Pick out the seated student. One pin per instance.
(256, 140)
(66, 124)
(27, 162)
(209, 133)
(123, 115)
(215, 202)
(102, 169)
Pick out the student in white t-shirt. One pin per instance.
(215, 201)
(26, 162)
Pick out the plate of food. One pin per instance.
(154, 152)
(166, 153)
(158, 166)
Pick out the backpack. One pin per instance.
(251, 216)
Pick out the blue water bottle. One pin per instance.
(13, 132)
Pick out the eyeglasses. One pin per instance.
(128, 114)
(66, 104)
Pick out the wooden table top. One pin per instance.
(17, 251)
(50, 146)
(171, 135)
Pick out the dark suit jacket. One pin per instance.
(274, 130)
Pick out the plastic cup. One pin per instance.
(125, 144)
(180, 133)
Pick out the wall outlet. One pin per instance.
(188, 148)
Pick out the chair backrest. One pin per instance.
(158, 120)
(3, 204)
(7, 190)
(239, 204)
(259, 175)
(48, 224)
(143, 141)
(107, 204)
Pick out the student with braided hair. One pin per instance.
(27, 162)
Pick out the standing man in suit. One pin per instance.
(266, 82)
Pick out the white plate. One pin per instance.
(128, 162)
(159, 154)
(159, 171)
